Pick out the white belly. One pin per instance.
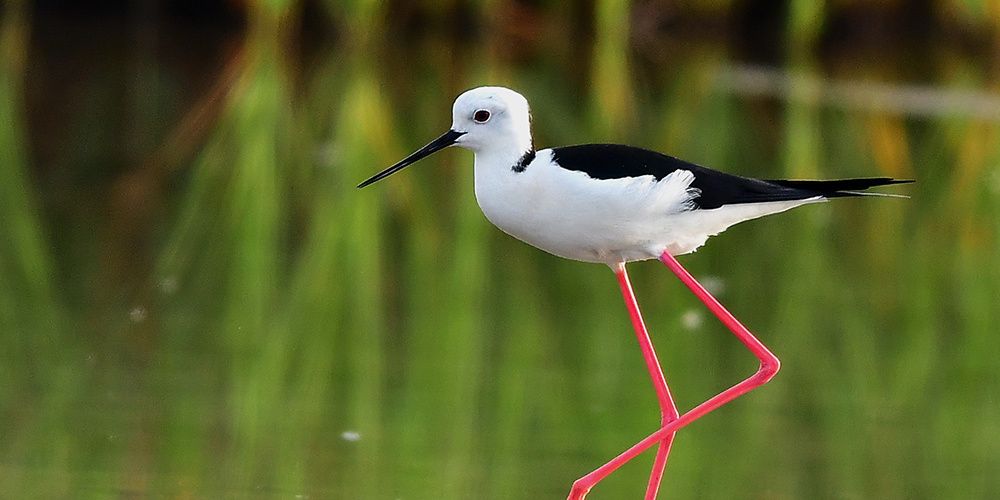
(571, 215)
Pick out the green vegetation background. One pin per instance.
(223, 315)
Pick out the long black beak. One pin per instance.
(442, 142)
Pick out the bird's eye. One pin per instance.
(481, 116)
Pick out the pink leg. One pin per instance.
(769, 365)
(668, 411)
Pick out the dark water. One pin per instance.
(196, 302)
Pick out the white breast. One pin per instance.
(570, 214)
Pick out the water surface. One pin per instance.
(196, 302)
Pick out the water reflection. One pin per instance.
(228, 316)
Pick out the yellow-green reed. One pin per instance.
(41, 379)
(313, 340)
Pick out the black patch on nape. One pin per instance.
(526, 158)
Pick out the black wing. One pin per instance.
(616, 161)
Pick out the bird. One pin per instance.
(614, 204)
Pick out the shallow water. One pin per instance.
(196, 302)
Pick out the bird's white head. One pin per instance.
(491, 121)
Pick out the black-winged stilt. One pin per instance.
(614, 204)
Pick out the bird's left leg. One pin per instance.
(668, 411)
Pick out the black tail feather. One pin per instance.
(839, 187)
(718, 189)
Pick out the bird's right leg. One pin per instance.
(769, 363)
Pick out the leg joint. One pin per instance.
(769, 366)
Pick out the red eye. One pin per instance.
(481, 116)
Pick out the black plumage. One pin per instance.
(615, 161)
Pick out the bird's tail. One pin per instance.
(844, 187)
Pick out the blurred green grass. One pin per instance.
(297, 337)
